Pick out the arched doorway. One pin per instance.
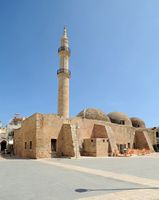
(3, 145)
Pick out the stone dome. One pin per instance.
(138, 123)
(119, 118)
(92, 113)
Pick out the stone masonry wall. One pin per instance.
(49, 127)
(95, 147)
(89, 128)
(40, 129)
(23, 136)
(65, 143)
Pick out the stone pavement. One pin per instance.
(107, 174)
(31, 180)
(132, 178)
(149, 193)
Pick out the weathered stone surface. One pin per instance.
(92, 113)
(138, 123)
(119, 118)
(70, 136)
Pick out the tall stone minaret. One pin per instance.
(63, 77)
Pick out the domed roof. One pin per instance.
(92, 113)
(138, 123)
(119, 118)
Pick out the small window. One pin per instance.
(157, 134)
(113, 121)
(91, 140)
(25, 145)
(103, 140)
(129, 145)
(122, 122)
(30, 146)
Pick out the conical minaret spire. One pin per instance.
(63, 76)
(65, 32)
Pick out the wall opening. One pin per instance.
(122, 122)
(53, 145)
(30, 145)
(156, 147)
(3, 145)
(25, 145)
(122, 148)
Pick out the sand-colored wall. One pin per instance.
(95, 147)
(26, 134)
(123, 134)
(102, 147)
(49, 127)
(65, 145)
(152, 135)
(41, 128)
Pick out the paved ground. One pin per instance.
(85, 179)
(141, 166)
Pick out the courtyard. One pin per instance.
(84, 178)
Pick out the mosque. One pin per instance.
(91, 133)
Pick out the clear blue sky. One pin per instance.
(114, 61)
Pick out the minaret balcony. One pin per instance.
(63, 48)
(64, 71)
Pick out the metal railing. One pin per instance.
(65, 71)
(63, 48)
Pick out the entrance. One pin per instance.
(53, 148)
(53, 145)
(3, 145)
(122, 148)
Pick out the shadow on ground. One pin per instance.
(81, 190)
(11, 157)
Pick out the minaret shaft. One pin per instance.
(63, 77)
(63, 96)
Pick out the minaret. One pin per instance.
(63, 77)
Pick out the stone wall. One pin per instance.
(65, 143)
(40, 129)
(102, 147)
(123, 134)
(95, 147)
(152, 135)
(140, 140)
(93, 128)
(23, 136)
(49, 127)
(99, 131)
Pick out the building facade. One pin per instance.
(3, 138)
(15, 123)
(90, 133)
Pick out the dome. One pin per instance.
(92, 113)
(119, 118)
(138, 123)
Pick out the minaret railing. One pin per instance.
(64, 71)
(63, 48)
